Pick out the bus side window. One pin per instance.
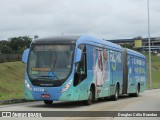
(81, 69)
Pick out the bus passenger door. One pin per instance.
(131, 74)
(112, 72)
(81, 74)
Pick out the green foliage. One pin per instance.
(19, 43)
(5, 49)
(15, 44)
(127, 45)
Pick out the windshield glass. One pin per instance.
(50, 62)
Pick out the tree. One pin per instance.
(15, 44)
(127, 45)
(5, 49)
(19, 43)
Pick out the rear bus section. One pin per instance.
(134, 72)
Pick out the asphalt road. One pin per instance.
(147, 101)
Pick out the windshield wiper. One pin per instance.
(48, 76)
(44, 76)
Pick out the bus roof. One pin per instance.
(98, 42)
(56, 39)
(64, 39)
(132, 52)
(77, 40)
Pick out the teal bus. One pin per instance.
(81, 68)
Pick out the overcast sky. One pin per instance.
(110, 19)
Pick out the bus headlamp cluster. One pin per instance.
(28, 86)
(66, 87)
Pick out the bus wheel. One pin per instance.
(131, 95)
(90, 98)
(115, 96)
(48, 102)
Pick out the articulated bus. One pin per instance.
(81, 68)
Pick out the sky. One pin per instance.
(105, 19)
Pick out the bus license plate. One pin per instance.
(45, 95)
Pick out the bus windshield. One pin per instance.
(50, 62)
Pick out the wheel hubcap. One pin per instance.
(90, 97)
(116, 94)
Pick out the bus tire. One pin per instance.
(90, 98)
(48, 102)
(131, 95)
(115, 96)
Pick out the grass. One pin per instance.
(155, 71)
(11, 80)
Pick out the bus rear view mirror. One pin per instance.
(78, 55)
(25, 56)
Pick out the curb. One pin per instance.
(12, 101)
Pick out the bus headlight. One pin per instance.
(66, 87)
(28, 85)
